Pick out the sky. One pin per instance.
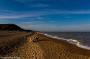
(47, 15)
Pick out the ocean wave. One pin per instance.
(71, 41)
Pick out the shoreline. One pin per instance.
(70, 41)
(60, 47)
(63, 41)
(48, 48)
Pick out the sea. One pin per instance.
(80, 39)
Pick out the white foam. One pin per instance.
(72, 41)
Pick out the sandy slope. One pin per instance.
(28, 51)
(48, 48)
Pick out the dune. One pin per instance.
(47, 48)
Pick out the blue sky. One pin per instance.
(47, 15)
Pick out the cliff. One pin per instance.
(11, 27)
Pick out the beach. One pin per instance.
(47, 48)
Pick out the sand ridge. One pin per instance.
(48, 48)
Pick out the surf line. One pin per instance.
(71, 41)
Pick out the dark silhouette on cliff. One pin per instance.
(11, 27)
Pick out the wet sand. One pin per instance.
(48, 48)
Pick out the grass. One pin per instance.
(48, 48)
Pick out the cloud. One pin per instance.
(72, 12)
(17, 15)
(14, 16)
